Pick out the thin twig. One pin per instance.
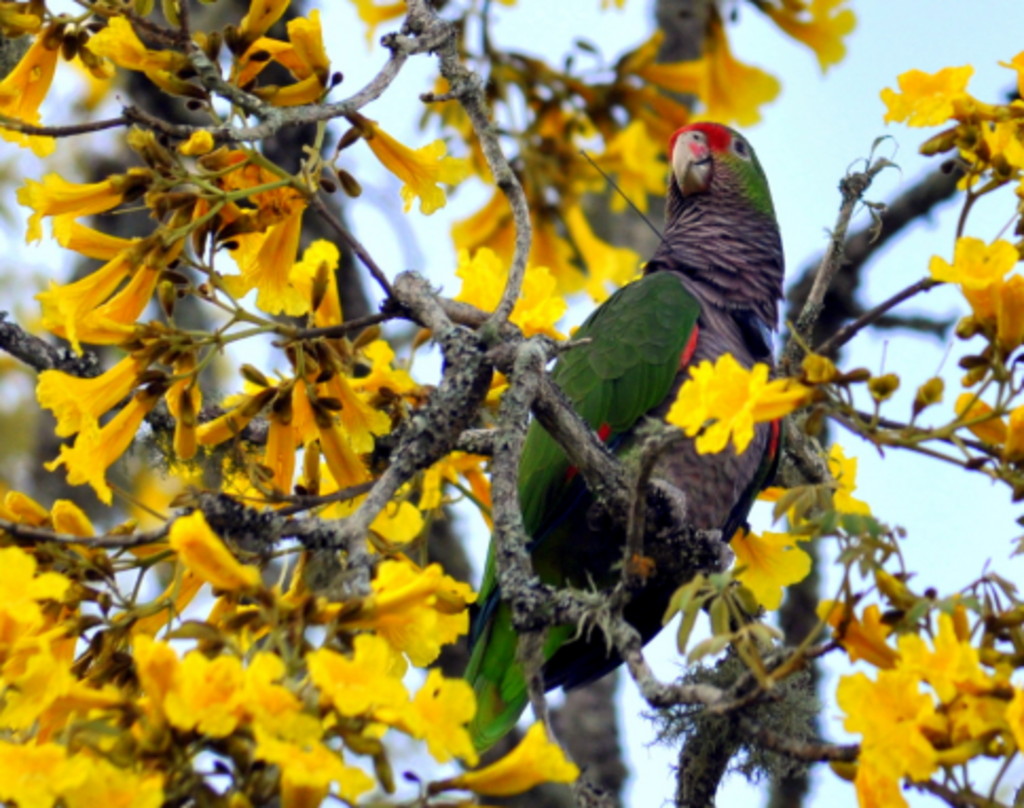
(651, 451)
(468, 88)
(62, 131)
(852, 187)
(299, 504)
(809, 751)
(957, 799)
(317, 204)
(42, 534)
(346, 328)
(850, 330)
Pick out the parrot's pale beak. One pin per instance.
(693, 166)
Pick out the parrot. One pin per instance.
(712, 287)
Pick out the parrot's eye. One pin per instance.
(741, 149)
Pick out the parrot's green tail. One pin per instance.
(497, 682)
(497, 679)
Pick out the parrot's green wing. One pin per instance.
(636, 339)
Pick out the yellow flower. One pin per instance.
(951, 668)
(66, 307)
(346, 467)
(734, 399)
(373, 15)
(75, 401)
(45, 690)
(416, 610)
(306, 91)
(268, 267)
(180, 591)
(1017, 64)
(16, 20)
(307, 39)
(112, 787)
(279, 452)
(536, 760)
(554, 252)
(732, 92)
(69, 518)
(398, 523)
(421, 170)
(491, 226)
(818, 369)
(635, 159)
(21, 589)
(875, 790)
(382, 376)
(184, 400)
(844, 469)
(359, 421)
(926, 100)
(369, 681)
(448, 468)
(1010, 314)
(55, 196)
(91, 243)
(1003, 140)
(207, 695)
(234, 420)
(308, 769)
(35, 775)
(484, 277)
(1015, 716)
(822, 30)
(973, 717)
(274, 707)
(988, 427)
(771, 562)
(96, 449)
(320, 254)
(262, 15)
(114, 321)
(156, 665)
(605, 264)
(975, 265)
(202, 551)
(441, 710)
(1013, 452)
(119, 43)
(21, 508)
(890, 714)
(198, 143)
(862, 639)
(23, 90)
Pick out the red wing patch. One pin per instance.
(773, 441)
(603, 432)
(690, 349)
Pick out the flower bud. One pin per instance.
(882, 387)
(928, 393)
(349, 183)
(818, 369)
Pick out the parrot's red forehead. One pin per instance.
(719, 137)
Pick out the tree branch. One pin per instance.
(41, 355)
(852, 187)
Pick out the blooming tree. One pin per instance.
(222, 686)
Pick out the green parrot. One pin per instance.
(712, 287)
